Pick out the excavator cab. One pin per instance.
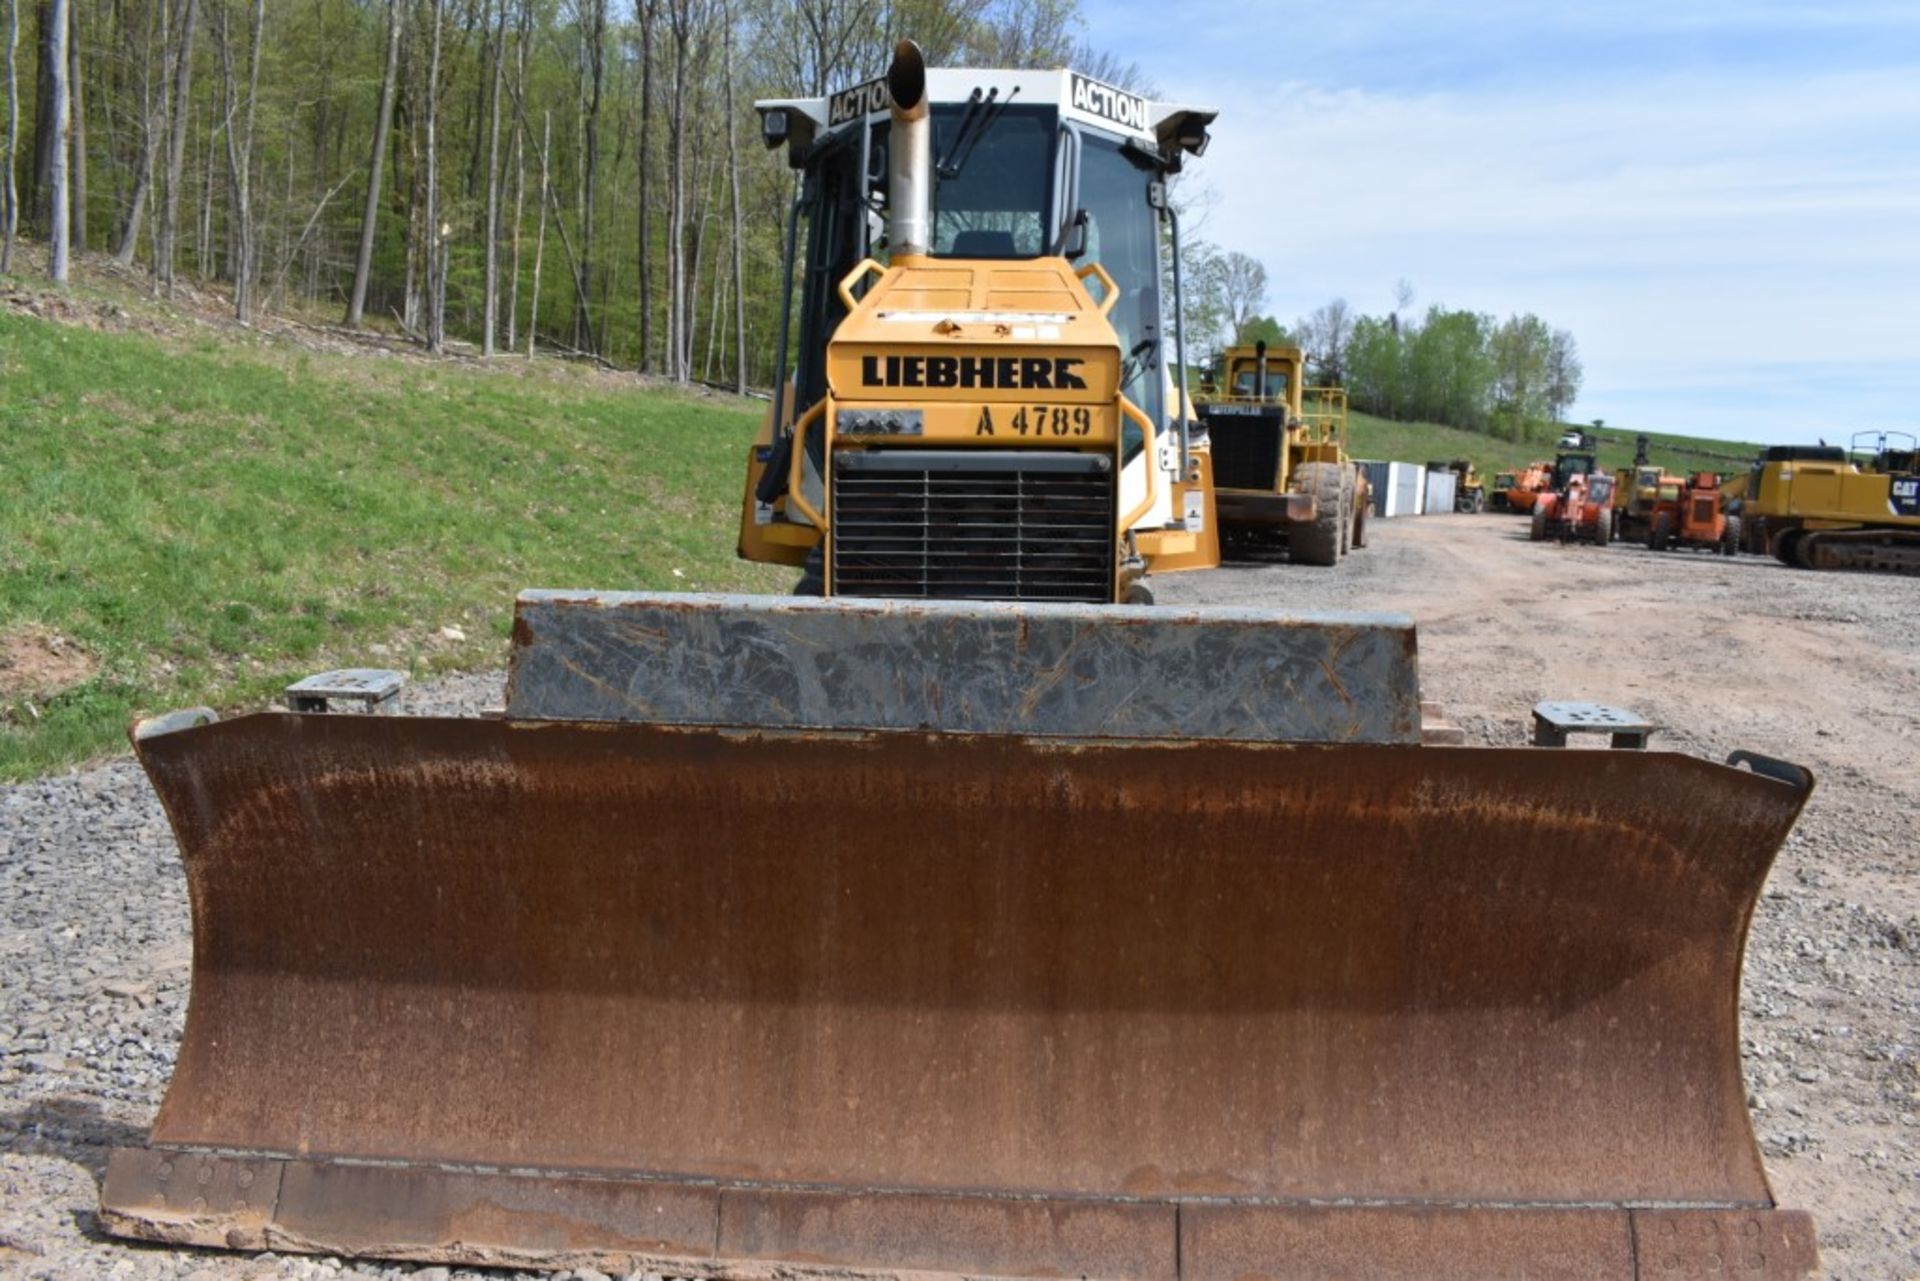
(979, 405)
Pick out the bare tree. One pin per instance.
(1564, 374)
(57, 169)
(739, 253)
(435, 236)
(519, 171)
(540, 241)
(178, 108)
(151, 106)
(9, 190)
(1324, 336)
(594, 56)
(376, 166)
(646, 11)
(492, 307)
(1243, 289)
(240, 152)
(686, 20)
(76, 132)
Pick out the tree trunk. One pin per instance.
(382, 125)
(240, 158)
(40, 177)
(681, 20)
(77, 135)
(436, 260)
(646, 12)
(739, 259)
(519, 176)
(492, 311)
(596, 68)
(180, 103)
(540, 241)
(57, 174)
(9, 191)
(150, 124)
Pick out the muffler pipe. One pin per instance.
(910, 156)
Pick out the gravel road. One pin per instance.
(1821, 669)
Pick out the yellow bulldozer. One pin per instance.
(1824, 507)
(1277, 455)
(988, 413)
(767, 937)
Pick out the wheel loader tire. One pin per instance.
(1138, 592)
(813, 575)
(1346, 509)
(1317, 542)
(1602, 530)
(1730, 537)
(1537, 532)
(1660, 533)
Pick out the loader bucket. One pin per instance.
(786, 992)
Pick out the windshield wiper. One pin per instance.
(980, 116)
(1136, 361)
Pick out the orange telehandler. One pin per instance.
(1694, 517)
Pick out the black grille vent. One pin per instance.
(973, 525)
(1246, 450)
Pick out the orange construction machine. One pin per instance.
(1694, 517)
(1515, 491)
(1579, 506)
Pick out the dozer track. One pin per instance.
(654, 985)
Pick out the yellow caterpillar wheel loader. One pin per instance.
(778, 937)
(988, 414)
(1278, 456)
(1824, 507)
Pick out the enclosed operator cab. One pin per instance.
(976, 402)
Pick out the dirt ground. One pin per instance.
(1820, 669)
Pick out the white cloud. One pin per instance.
(1681, 221)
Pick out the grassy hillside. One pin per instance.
(1420, 442)
(193, 520)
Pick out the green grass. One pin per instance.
(1422, 442)
(211, 519)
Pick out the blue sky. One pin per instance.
(1720, 198)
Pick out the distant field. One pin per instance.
(191, 520)
(1421, 442)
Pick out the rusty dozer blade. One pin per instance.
(739, 999)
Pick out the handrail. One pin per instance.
(1132, 411)
(796, 493)
(864, 266)
(1111, 294)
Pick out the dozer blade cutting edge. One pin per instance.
(1154, 999)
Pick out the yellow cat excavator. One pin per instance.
(860, 937)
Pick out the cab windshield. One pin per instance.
(1245, 381)
(991, 195)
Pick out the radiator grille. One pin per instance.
(1246, 450)
(973, 525)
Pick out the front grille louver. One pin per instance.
(973, 525)
(1246, 450)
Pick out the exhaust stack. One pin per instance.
(910, 164)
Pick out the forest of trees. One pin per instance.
(581, 174)
(1515, 378)
(586, 174)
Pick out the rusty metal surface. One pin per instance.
(964, 667)
(886, 963)
(625, 1225)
